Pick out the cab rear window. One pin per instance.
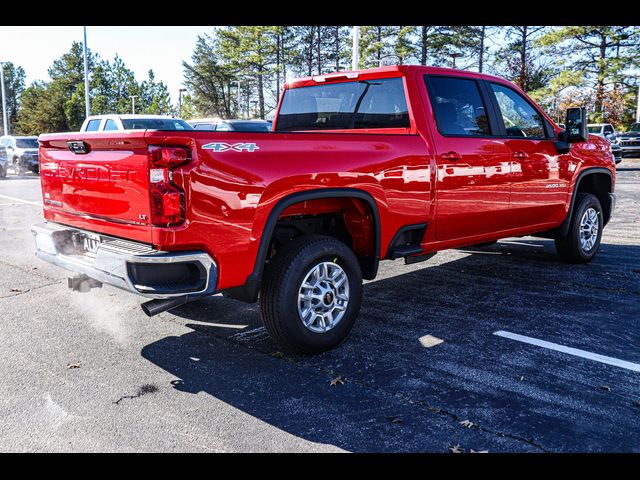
(355, 105)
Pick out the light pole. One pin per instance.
(454, 56)
(355, 51)
(180, 90)
(133, 103)
(238, 98)
(5, 123)
(86, 75)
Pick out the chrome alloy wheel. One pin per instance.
(323, 297)
(589, 229)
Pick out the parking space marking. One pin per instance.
(28, 202)
(571, 351)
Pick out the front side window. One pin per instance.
(93, 125)
(608, 129)
(110, 125)
(458, 107)
(361, 104)
(520, 118)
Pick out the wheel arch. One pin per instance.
(249, 291)
(596, 180)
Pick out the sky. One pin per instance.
(161, 49)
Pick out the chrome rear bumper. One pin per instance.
(115, 262)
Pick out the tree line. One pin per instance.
(59, 104)
(239, 71)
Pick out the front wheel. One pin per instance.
(311, 294)
(582, 240)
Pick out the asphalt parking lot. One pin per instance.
(90, 372)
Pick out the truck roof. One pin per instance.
(384, 72)
(128, 116)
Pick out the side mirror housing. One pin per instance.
(576, 123)
(562, 145)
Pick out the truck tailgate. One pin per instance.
(105, 189)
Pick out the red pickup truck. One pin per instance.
(359, 167)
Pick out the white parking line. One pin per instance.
(571, 351)
(28, 202)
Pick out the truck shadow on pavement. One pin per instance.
(399, 395)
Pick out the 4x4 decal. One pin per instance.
(236, 147)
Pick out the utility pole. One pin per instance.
(133, 103)
(86, 75)
(5, 123)
(238, 98)
(355, 51)
(180, 101)
(637, 110)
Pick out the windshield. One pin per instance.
(155, 124)
(595, 129)
(251, 126)
(27, 142)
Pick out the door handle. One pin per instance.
(520, 155)
(451, 156)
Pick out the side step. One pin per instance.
(418, 258)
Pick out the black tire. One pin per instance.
(281, 284)
(3, 172)
(569, 246)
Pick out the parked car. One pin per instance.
(22, 153)
(630, 141)
(232, 125)
(387, 163)
(111, 123)
(606, 130)
(4, 164)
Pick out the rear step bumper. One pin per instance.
(132, 266)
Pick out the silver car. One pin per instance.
(22, 153)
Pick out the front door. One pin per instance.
(540, 177)
(472, 163)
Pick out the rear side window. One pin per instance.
(155, 124)
(458, 107)
(345, 106)
(520, 118)
(93, 125)
(110, 125)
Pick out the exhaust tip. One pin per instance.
(159, 305)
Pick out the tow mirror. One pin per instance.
(576, 123)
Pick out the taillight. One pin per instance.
(167, 200)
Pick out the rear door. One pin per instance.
(540, 178)
(472, 163)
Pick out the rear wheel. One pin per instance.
(311, 294)
(3, 172)
(582, 241)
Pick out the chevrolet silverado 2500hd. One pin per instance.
(393, 162)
